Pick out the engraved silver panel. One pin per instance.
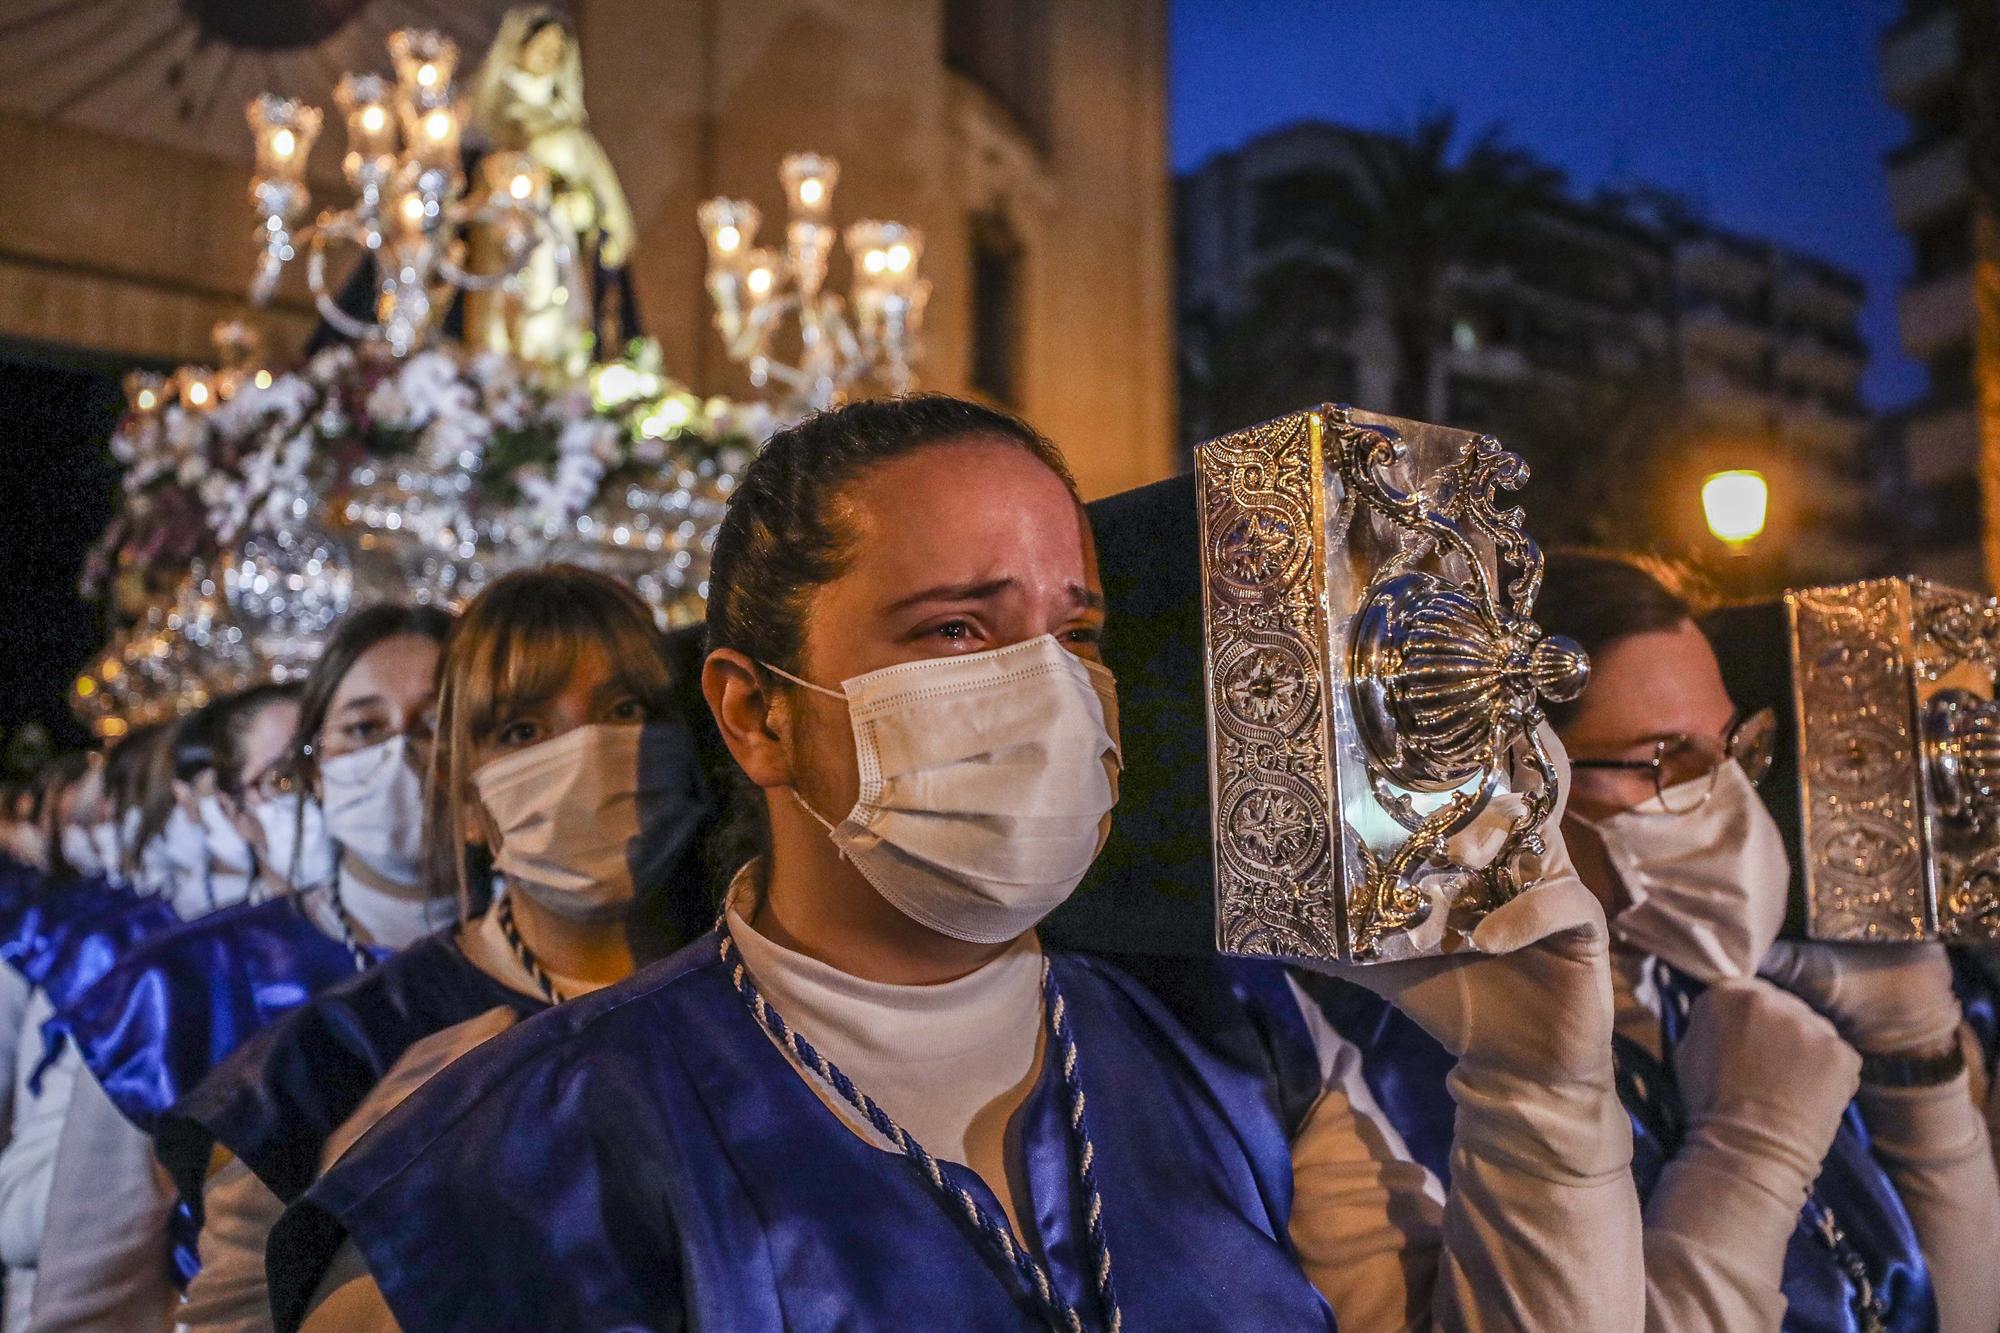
(1373, 674)
(1899, 760)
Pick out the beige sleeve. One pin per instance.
(348, 1301)
(1933, 1141)
(1366, 1218)
(231, 1294)
(104, 1263)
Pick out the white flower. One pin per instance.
(387, 406)
(431, 385)
(591, 437)
(331, 365)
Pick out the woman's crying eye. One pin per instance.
(517, 734)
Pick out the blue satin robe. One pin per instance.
(45, 908)
(1405, 1069)
(645, 1158)
(276, 1101)
(1976, 980)
(178, 1003)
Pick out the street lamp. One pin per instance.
(1736, 503)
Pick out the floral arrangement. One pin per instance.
(204, 468)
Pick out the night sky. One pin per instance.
(1767, 113)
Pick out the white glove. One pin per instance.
(1765, 1081)
(1897, 998)
(1528, 1012)
(1883, 997)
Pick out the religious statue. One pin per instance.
(528, 98)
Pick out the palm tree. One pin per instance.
(1425, 211)
(1979, 69)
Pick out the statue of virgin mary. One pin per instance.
(528, 98)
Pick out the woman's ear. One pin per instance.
(749, 715)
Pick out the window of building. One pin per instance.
(1951, 373)
(1943, 244)
(1312, 206)
(996, 308)
(1003, 45)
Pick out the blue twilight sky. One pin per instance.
(1766, 112)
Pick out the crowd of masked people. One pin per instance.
(531, 969)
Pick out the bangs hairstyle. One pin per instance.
(516, 646)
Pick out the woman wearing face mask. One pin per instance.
(715, 1143)
(1768, 1203)
(561, 761)
(65, 920)
(258, 792)
(178, 1003)
(208, 864)
(208, 857)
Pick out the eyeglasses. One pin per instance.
(273, 782)
(1687, 765)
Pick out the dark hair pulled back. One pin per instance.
(784, 535)
(1598, 597)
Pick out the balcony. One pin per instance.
(1918, 55)
(1821, 363)
(1712, 264)
(1929, 181)
(1942, 446)
(1824, 433)
(1935, 314)
(1711, 326)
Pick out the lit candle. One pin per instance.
(425, 62)
(809, 179)
(885, 255)
(284, 130)
(371, 130)
(729, 226)
(515, 177)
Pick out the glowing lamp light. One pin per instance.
(727, 239)
(148, 400)
(263, 379)
(759, 280)
(374, 119)
(1736, 505)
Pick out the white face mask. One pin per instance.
(184, 851)
(228, 850)
(987, 782)
(297, 852)
(1709, 887)
(374, 801)
(110, 847)
(80, 850)
(587, 818)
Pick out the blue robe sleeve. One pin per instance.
(154, 1025)
(276, 1101)
(462, 1202)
